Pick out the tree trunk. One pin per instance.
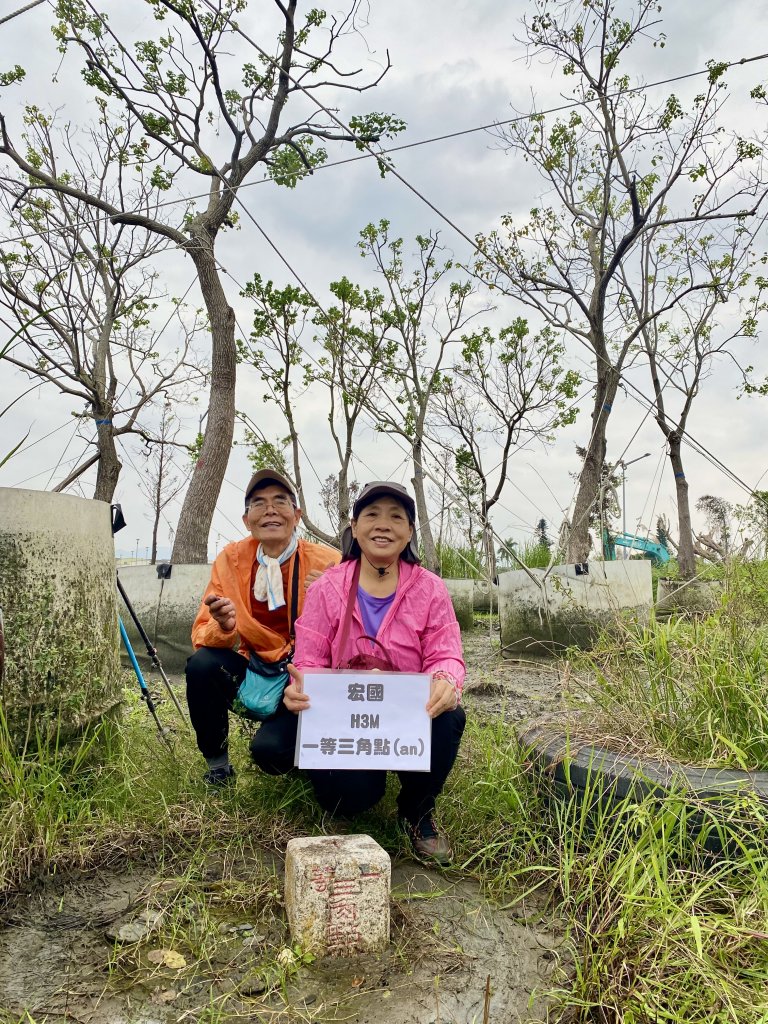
(191, 542)
(343, 492)
(155, 525)
(685, 555)
(109, 465)
(158, 497)
(591, 472)
(490, 547)
(443, 505)
(431, 560)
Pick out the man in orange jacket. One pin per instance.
(254, 596)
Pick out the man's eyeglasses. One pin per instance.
(282, 503)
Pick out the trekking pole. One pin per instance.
(151, 651)
(145, 694)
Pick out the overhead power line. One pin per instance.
(430, 140)
(379, 153)
(637, 394)
(21, 10)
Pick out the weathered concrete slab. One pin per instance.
(337, 891)
(59, 602)
(461, 592)
(688, 597)
(569, 606)
(485, 596)
(166, 609)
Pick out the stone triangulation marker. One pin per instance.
(337, 894)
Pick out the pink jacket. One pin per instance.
(419, 632)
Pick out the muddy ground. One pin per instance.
(99, 949)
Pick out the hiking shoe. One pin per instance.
(427, 843)
(219, 776)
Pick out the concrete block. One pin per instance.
(485, 596)
(688, 597)
(166, 609)
(567, 607)
(461, 593)
(59, 600)
(337, 894)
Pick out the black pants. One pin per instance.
(213, 676)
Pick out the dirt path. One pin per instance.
(60, 961)
(520, 688)
(57, 964)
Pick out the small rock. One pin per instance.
(151, 917)
(225, 928)
(253, 987)
(130, 931)
(253, 940)
(167, 958)
(166, 996)
(246, 927)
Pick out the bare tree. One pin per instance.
(442, 471)
(203, 115)
(343, 357)
(161, 482)
(427, 310)
(617, 168)
(504, 391)
(718, 545)
(329, 497)
(682, 350)
(754, 516)
(81, 295)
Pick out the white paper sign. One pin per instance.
(365, 720)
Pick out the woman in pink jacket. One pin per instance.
(400, 618)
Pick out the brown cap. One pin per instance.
(268, 476)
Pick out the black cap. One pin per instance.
(269, 476)
(376, 489)
(380, 488)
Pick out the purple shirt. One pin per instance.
(373, 610)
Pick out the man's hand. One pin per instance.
(294, 697)
(223, 611)
(442, 697)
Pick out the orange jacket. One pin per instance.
(231, 577)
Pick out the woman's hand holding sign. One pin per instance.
(442, 696)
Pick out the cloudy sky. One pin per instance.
(456, 65)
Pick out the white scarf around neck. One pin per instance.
(268, 584)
